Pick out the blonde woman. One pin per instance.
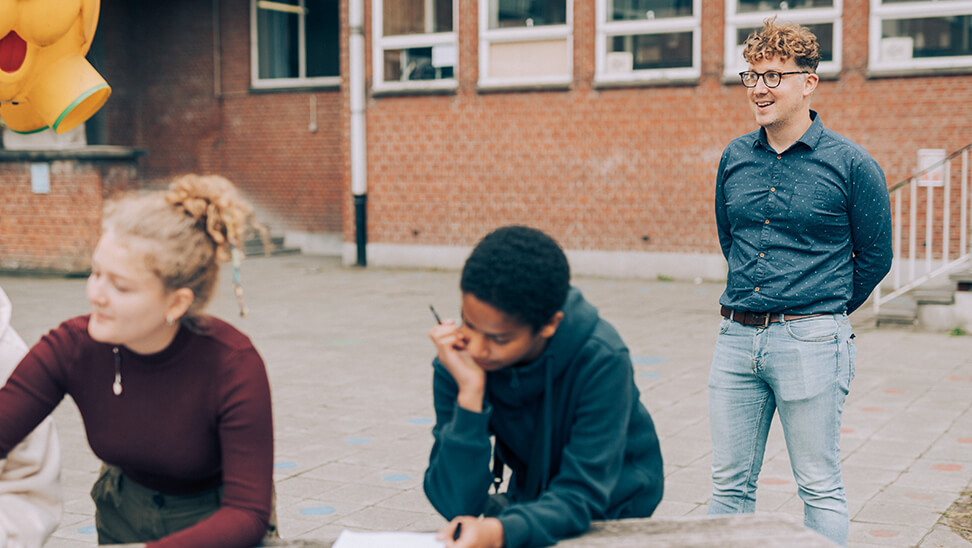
(175, 403)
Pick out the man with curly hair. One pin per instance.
(804, 222)
(535, 366)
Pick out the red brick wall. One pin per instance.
(161, 62)
(609, 169)
(615, 169)
(55, 232)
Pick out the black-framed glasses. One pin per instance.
(771, 78)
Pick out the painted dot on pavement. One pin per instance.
(872, 409)
(649, 375)
(947, 467)
(644, 290)
(317, 510)
(965, 440)
(894, 391)
(648, 360)
(420, 420)
(882, 533)
(395, 478)
(957, 378)
(284, 465)
(357, 441)
(774, 481)
(846, 430)
(88, 530)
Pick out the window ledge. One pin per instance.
(87, 153)
(534, 86)
(653, 82)
(298, 88)
(399, 91)
(905, 72)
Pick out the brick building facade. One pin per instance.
(610, 147)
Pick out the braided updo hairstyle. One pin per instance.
(189, 229)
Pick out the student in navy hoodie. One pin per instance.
(534, 365)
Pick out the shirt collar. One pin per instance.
(810, 138)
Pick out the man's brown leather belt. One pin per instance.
(760, 318)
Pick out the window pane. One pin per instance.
(322, 25)
(528, 59)
(629, 10)
(823, 31)
(414, 64)
(526, 13)
(931, 36)
(655, 51)
(410, 17)
(749, 6)
(277, 40)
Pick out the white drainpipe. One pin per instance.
(359, 171)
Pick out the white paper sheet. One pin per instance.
(363, 539)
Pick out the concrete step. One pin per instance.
(900, 310)
(934, 295)
(962, 279)
(255, 247)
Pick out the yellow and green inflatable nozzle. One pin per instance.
(62, 98)
(50, 85)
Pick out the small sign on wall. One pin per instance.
(897, 48)
(928, 157)
(444, 55)
(40, 178)
(619, 62)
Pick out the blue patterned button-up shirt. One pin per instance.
(805, 231)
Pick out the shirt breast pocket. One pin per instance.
(820, 209)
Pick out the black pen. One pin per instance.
(436, 314)
(458, 531)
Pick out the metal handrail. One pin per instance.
(906, 180)
(947, 265)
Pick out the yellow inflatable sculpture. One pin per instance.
(45, 81)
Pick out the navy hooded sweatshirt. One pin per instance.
(569, 425)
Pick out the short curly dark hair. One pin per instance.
(783, 41)
(521, 272)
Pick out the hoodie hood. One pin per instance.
(525, 398)
(523, 385)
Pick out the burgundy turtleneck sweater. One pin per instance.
(191, 417)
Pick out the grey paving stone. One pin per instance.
(898, 514)
(876, 534)
(941, 536)
(349, 359)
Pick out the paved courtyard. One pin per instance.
(349, 365)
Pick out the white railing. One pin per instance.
(938, 260)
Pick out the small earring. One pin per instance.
(169, 321)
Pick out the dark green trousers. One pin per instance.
(126, 512)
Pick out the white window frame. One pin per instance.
(913, 10)
(609, 29)
(381, 43)
(272, 83)
(488, 36)
(734, 62)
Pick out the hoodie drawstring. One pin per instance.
(546, 425)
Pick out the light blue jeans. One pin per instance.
(802, 368)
